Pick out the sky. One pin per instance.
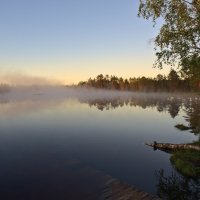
(73, 40)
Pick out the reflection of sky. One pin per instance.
(110, 140)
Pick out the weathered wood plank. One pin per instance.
(117, 190)
(108, 188)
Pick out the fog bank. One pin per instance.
(23, 79)
(55, 92)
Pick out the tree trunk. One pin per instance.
(172, 147)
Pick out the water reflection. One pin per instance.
(192, 110)
(106, 100)
(169, 104)
(101, 130)
(177, 187)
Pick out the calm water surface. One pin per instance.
(38, 136)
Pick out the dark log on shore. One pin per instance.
(172, 147)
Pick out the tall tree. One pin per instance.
(179, 36)
(191, 71)
(173, 78)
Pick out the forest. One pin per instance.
(173, 82)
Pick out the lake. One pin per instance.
(52, 142)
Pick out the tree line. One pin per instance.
(171, 83)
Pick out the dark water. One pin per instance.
(40, 136)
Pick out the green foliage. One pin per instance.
(187, 162)
(179, 36)
(191, 70)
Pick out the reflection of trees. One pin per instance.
(102, 104)
(177, 187)
(192, 111)
(172, 105)
(113, 103)
(193, 116)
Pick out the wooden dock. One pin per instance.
(116, 190)
(105, 187)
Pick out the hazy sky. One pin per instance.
(73, 40)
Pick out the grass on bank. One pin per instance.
(182, 127)
(187, 162)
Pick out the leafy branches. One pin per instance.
(179, 36)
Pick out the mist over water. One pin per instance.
(23, 79)
(46, 91)
(45, 127)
